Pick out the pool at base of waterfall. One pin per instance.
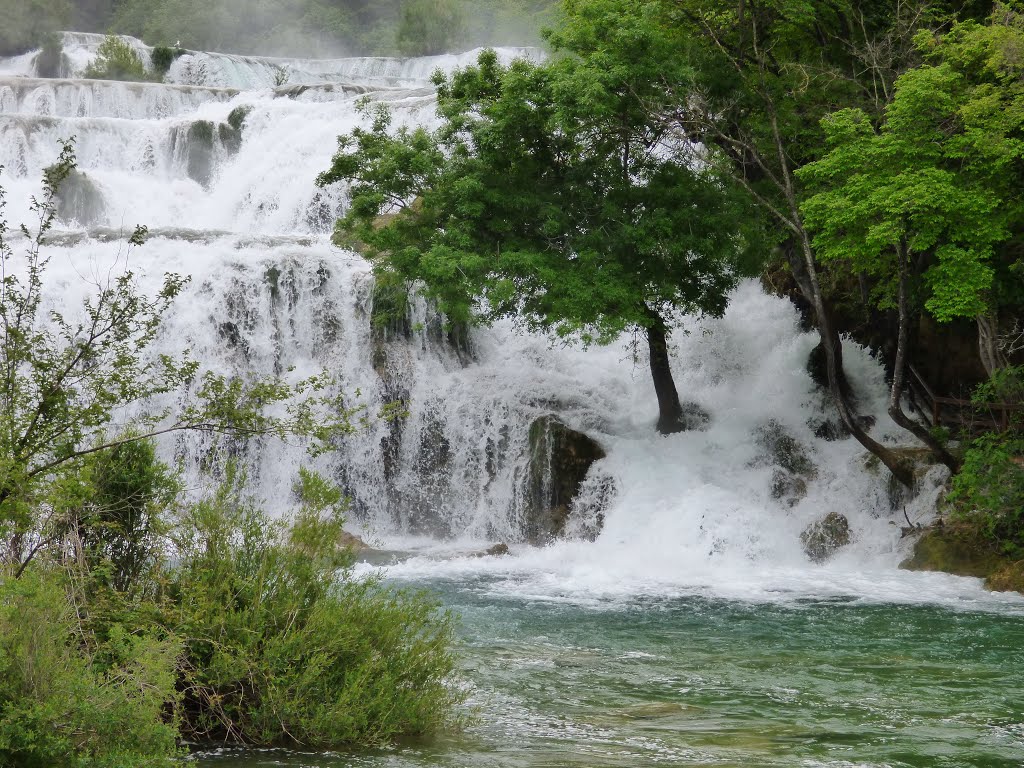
(707, 681)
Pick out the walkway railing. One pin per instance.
(958, 414)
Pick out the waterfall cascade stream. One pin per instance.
(696, 516)
(242, 217)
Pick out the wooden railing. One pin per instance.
(961, 415)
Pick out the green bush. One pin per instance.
(162, 58)
(988, 492)
(117, 60)
(61, 697)
(283, 647)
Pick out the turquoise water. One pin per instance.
(712, 682)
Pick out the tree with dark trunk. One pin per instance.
(551, 195)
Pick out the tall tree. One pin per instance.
(764, 72)
(550, 195)
(928, 204)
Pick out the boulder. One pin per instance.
(560, 458)
(1007, 578)
(78, 199)
(823, 537)
(793, 467)
(350, 541)
(954, 549)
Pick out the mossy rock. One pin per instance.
(783, 450)
(236, 118)
(959, 550)
(1007, 578)
(79, 199)
(823, 537)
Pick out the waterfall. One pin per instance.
(703, 510)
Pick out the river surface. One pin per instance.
(704, 681)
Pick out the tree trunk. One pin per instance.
(832, 346)
(988, 344)
(670, 411)
(899, 373)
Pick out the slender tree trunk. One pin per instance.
(899, 374)
(832, 346)
(670, 411)
(988, 344)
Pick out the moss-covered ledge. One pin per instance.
(960, 549)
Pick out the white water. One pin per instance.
(691, 514)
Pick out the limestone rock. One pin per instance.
(793, 467)
(823, 537)
(350, 541)
(78, 199)
(1007, 578)
(560, 458)
(951, 549)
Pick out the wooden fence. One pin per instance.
(961, 415)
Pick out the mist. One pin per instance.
(291, 28)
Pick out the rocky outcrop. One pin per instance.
(954, 549)
(78, 199)
(350, 541)
(823, 537)
(560, 458)
(793, 467)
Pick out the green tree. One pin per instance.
(754, 79)
(116, 60)
(430, 27)
(925, 203)
(549, 195)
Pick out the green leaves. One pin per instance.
(550, 193)
(936, 181)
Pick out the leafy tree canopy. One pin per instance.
(938, 181)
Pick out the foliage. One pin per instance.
(278, 650)
(430, 27)
(544, 194)
(117, 60)
(162, 58)
(989, 490)
(62, 700)
(934, 186)
(330, 27)
(51, 54)
(27, 24)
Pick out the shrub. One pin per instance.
(989, 491)
(162, 58)
(284, 647)
(59, 697)
(117, 60)
(48, 63)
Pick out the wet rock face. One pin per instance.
(559, 461)
(78, 199)
(793, 467)
(823, 537)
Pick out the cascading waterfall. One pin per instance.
(688, 513)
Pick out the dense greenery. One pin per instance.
(551, 196)
(116, 60)
(27, 24)
(132, 617)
